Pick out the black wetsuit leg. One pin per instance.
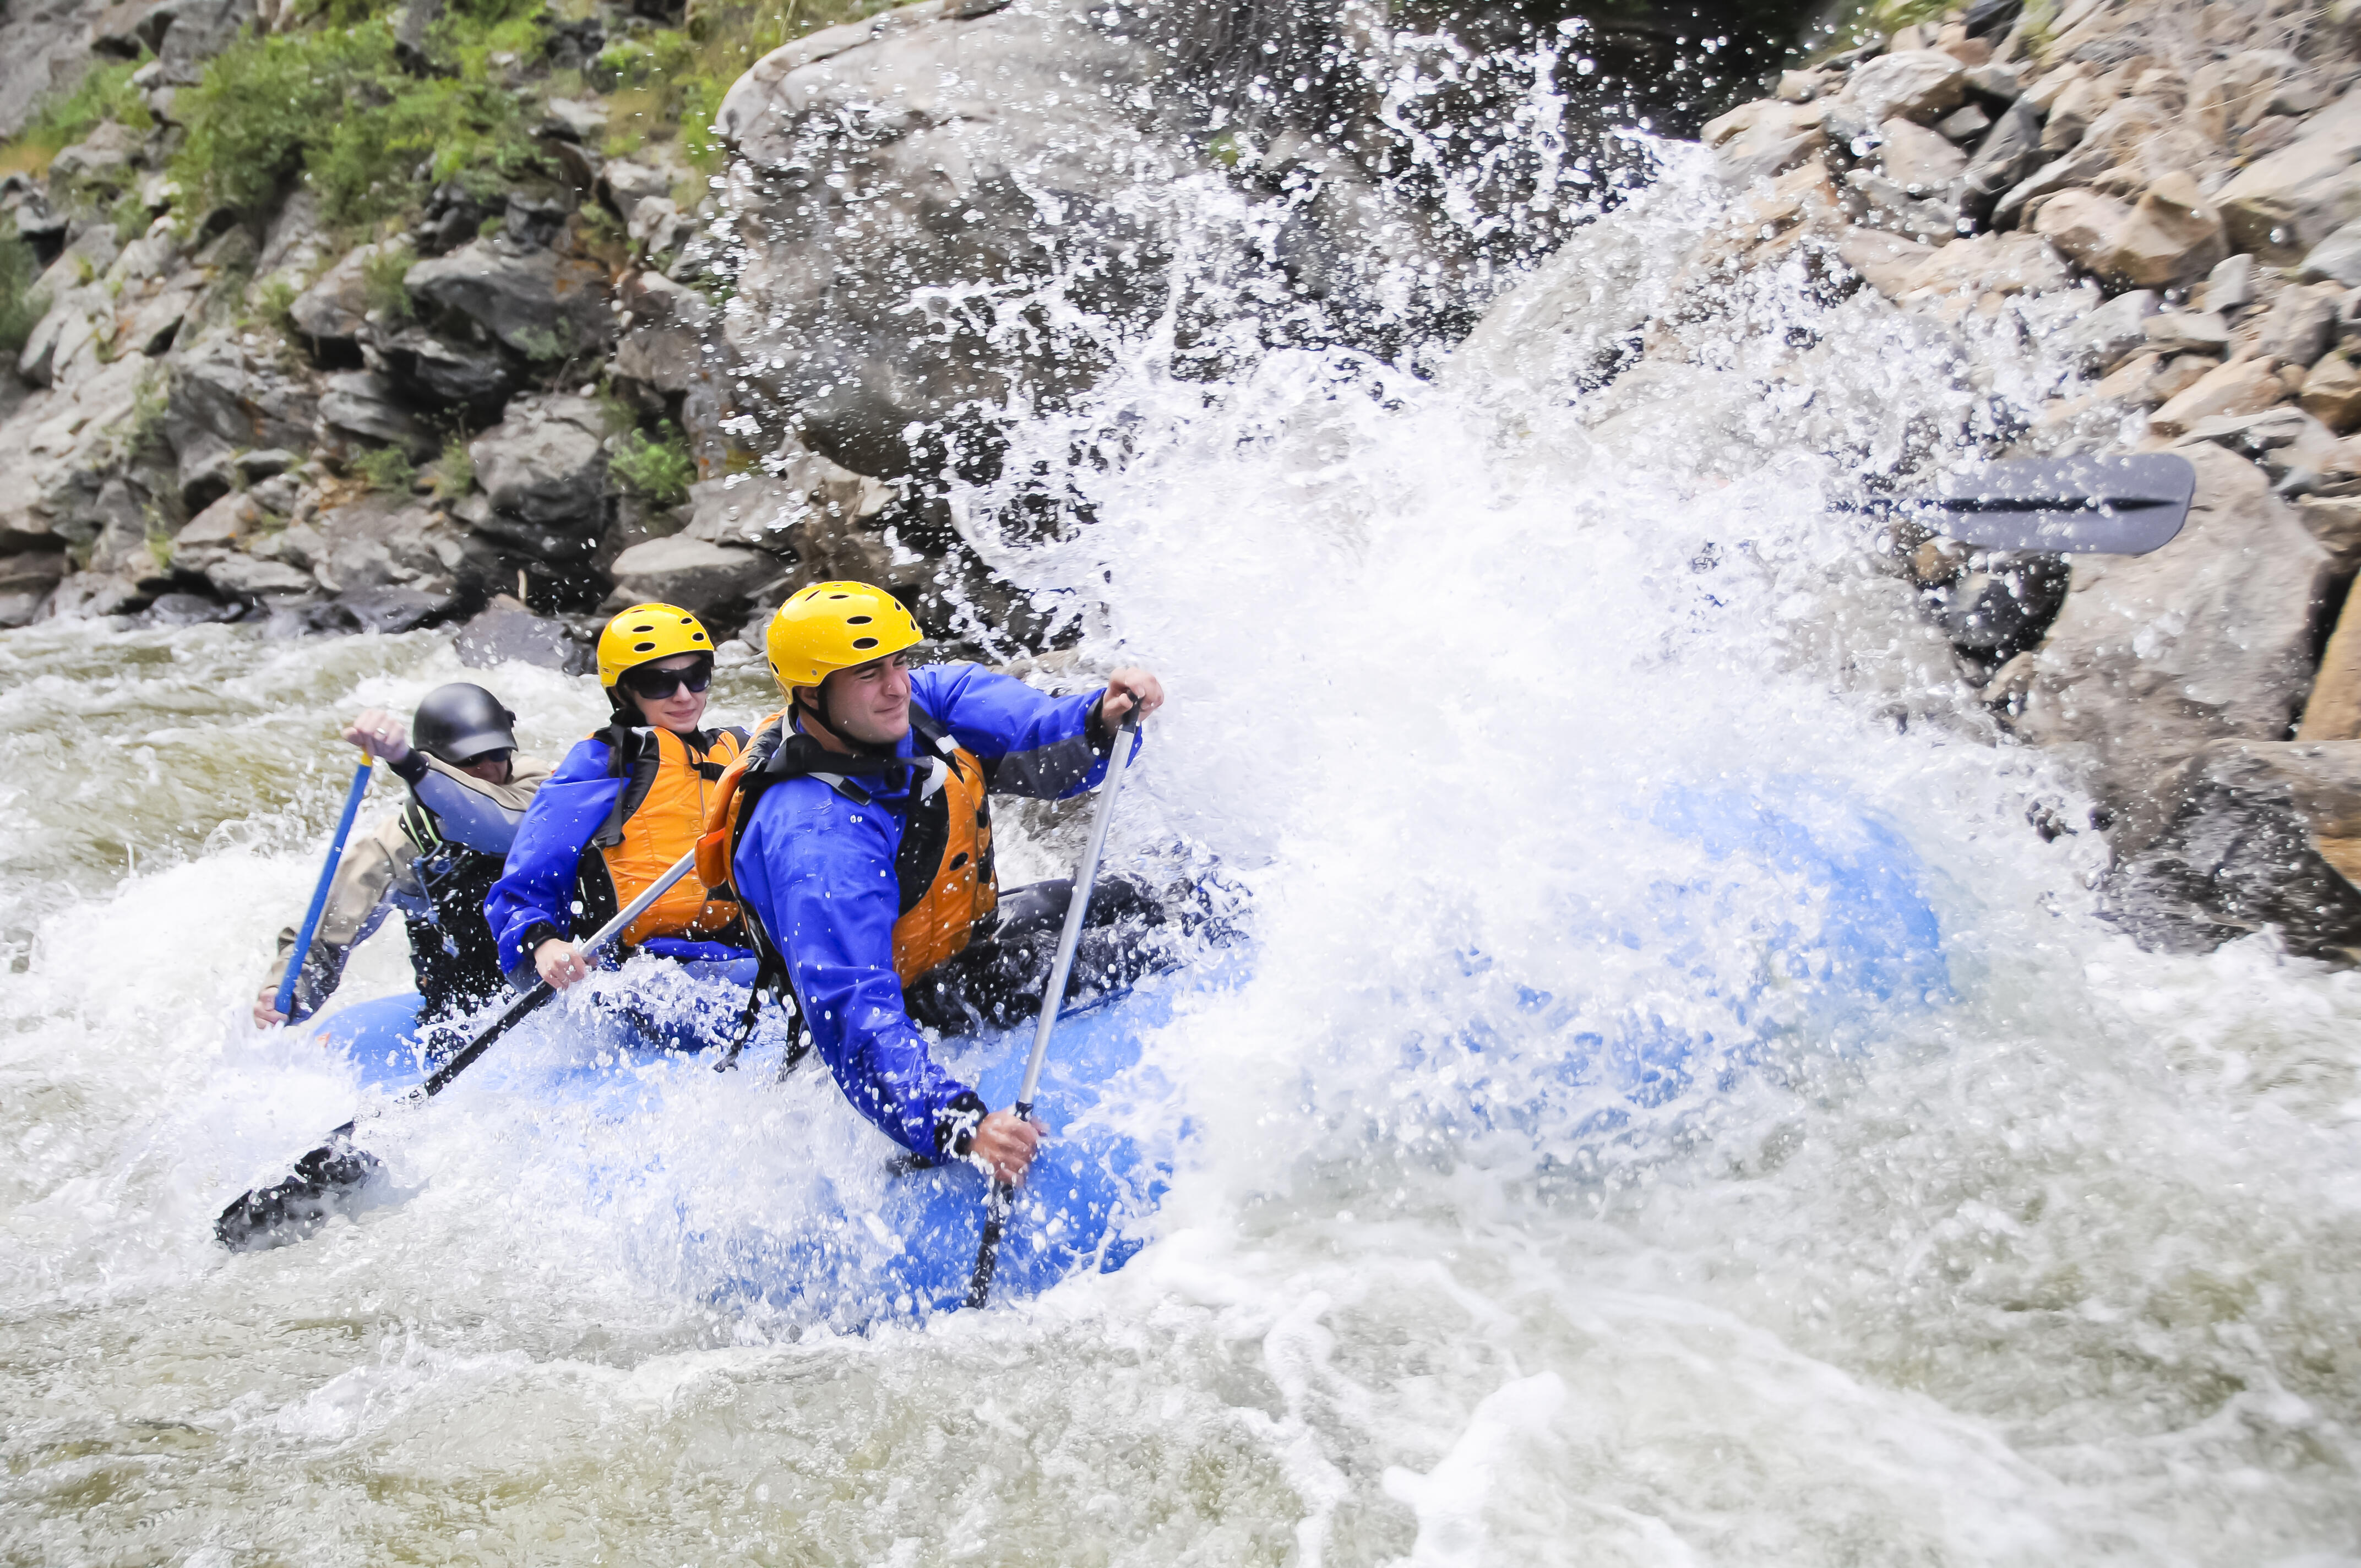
(998, 977)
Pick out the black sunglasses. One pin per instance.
(657, 685)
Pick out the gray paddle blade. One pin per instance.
(324, 1183)
(2080, 506)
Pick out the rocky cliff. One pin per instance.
(2121, 225)
(364, 315)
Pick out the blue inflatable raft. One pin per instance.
(880, 1236)
(1796, 916)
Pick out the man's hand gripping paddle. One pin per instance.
(1004, 1194)
(2069, 505)
(284, 1002)
(326, 1177)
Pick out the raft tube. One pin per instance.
(1849, 946)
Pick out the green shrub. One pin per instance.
(672, 80)
(381, 277)
(455, 471)
(1849, 27)
(274, 307)
(658, 469)
(385, 468)
(333, 106)
(22, 304)
(130, 216)
(103, 93)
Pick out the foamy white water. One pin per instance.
(2055, 1260)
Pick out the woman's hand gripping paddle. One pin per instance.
(284, 1004)
(996, 1206)
(323, 1180)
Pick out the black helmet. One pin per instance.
(461, 723)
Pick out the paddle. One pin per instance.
(284, 1003)
(2124, 505)
(324, 1178)
(996, 1206)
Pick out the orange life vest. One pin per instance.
(943, 867)
(668, 785)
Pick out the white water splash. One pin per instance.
(2056, 1263)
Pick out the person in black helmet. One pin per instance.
(433, 859)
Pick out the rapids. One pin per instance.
(2055, 1261)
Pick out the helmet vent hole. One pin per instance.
(856, 620)
(839, 595)
(643, 647)
(864, 642)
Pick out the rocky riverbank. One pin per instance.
(516, 312)
(377, 314)
(2154, 210)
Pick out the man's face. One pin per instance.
(492, 767)
(869, 703)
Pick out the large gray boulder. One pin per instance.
(505, 630)
(60, 447)
(945, 158)
(540, 306)
(226, 402)
(42, 44)
(2282, 205)
(187, 33)
(690, 573)
(545, 462)
(363, 406)
(2155, 656)
(667, 351)
(251, 579)
(388, 542)
(334, 311)
(475, 377)
(2262, 834)
(1911, 84)
(26, 583)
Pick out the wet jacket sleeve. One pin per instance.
(1038, 745)
(534, 898)
(356, 906)
(819, 872)
(468, 811)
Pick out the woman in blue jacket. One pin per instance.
(625, 804)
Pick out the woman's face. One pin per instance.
(678, 710)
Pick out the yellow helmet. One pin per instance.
(648, 631)
(834, 626)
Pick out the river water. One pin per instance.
(2051, 1257)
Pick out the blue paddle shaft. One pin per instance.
(285, 1005)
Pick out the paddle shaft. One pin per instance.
(284, 1005)
(1086, 874)
(336, 1154)
(515, 1012)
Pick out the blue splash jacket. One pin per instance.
(818, 871)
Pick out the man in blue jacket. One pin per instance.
(859, 843)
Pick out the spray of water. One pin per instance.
(1498, 692)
